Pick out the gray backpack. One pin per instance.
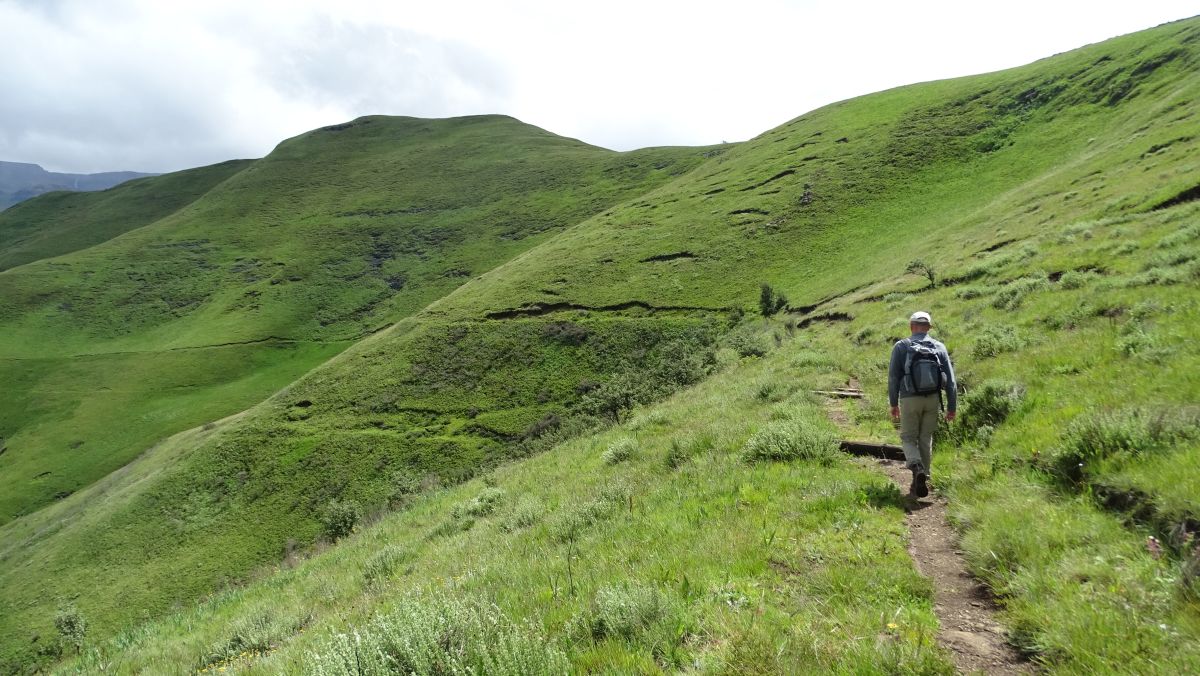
(922, 368)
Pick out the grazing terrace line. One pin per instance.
(539, 309)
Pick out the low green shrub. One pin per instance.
(339, 518)
(746, 344)
(985, 407)
(626, 612)
(255, 634)
(771, 302)
(572, 521)
(1071, 317)
(1093, 438)
(439, 634)
(864, 335)
(814, 359)
(641, 615)
(797, 439)
(771, 390)
(996, 340)
(1170, 259)
(682, 450)
(528, 511)
(1180, 237)
(1011, 295)
(71, 626)
(1077, 279)
(481, 505)
(1146, 309)
(895, 299)
(973, 291)
(620, 451)
(385, 563)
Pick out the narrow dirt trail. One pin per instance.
(965, 610)
(967, 615)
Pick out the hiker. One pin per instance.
(919, 371)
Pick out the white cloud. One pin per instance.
(153, 86)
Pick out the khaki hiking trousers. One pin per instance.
(918, 420)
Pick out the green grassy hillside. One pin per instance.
(670, 543)
(209, 309)
(61, 222)
(1061, 187)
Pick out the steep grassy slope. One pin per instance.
(598, 317)
(335, 234)
(812, 205)
(61, 222)
(661, 545)
(652, 546)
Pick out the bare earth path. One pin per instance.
(968, 628)
(967, 615)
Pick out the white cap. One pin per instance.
(920, 317)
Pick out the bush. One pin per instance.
(569, 524)
(770, 391)
(864, 335)
(665, 369)
(528, 511)
(385, 563)
(1011, 295)
(1180, 237)
(1189, 574)
(1070, 318)
(792, 440)
(620, 451)
(339, 518)
(566, 333)
(996, 340)
(746, 344)
(71, 626)
(619, 394)
(986, 407)
(812, 358)
(1076, 279)
(440, 634)
(770, 302)
(625, 612)
(973, 291)
(1170, 259)
(481, 505)
(1135, 342)
(1092, 438)
(255, 634)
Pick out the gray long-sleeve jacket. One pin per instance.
(897, 385)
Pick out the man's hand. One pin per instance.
(895, 413)
(951, 415)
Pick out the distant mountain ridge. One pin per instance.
(21, 180)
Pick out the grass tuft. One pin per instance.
(792, 440)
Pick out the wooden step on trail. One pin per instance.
(872, 449)
(840, 393)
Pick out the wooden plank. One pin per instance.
(873, 449)
(842, 394)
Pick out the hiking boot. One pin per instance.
(920, 482)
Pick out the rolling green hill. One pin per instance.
(1053, 201)
(210, 308)
(61, 222)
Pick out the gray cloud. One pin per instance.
(86, 90)
(147, 85)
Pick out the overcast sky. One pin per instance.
(146, 85)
